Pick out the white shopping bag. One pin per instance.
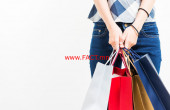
(98, 92)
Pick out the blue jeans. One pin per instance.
(148, 43)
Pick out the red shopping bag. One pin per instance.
(121, 90)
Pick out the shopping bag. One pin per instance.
(121, 90)
(141, 100)
(153, 85)
(98, 92)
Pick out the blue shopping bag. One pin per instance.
(158, 94)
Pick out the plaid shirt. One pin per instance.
(121, 11)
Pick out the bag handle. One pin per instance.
(120, 52)
(125, 63)
(130, 61)
(131, 53)
(112, 56)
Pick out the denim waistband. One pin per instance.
(119, 23)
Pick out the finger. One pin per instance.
(114, 44)
(121, 44)
(115, 47)
(132, 44)
(117, 43)
(124, 35)
(122, 40)
(127, 44)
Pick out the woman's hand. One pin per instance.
(114, 36)
(129, 38)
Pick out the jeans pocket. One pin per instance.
(99, 30)
(149, 30)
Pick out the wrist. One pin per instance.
(111, 26)
(140, 20)
(138, 25)
(135, 29)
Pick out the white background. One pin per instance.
(35, 37)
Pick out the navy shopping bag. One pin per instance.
(158, 94)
